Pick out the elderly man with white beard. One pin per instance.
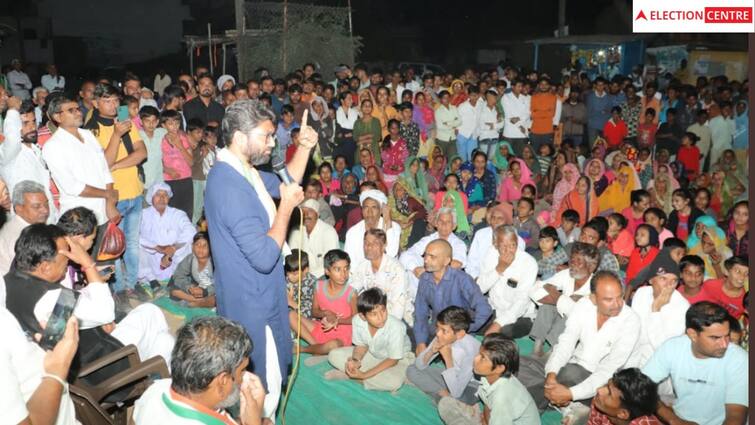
(557, 295)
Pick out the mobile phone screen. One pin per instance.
(56, 324)
(123, 113)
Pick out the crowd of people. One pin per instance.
(444, 218)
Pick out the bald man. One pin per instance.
(442, 286)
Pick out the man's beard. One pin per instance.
(257, 156)
(577, 275)
(30, 137)
(232, 399)
(206, 93)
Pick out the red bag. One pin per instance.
(113, 243)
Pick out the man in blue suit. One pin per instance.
(247, 233)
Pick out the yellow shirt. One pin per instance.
(125, 180)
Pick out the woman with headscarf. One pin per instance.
(613, 162)
(366, 159)
(661, 193)
(367, 132)
(374, 175)
(708, 241)
(383, 110)
(409, 212)
(484, 176)
(415, 183)
(518, 176)
(569, 177)
(581, 199)
(616, 197)
(451, 183)
(343, 200)
(458, 92)
(471, 187)
(424, 116)
(721, 198)
(554, 173)
(436, 171)
(393, 152)
(501, 158)
(530, 159)
(165, 235)
(595, 169)
(659, 169)
(646, 248)
(323, 124)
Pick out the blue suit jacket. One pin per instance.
(249, 280)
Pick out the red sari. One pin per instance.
(637, 261)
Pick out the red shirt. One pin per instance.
(701, 296)
(615, 133)
(689, 156)
(646, 134)
(714, 289)
(637, 262)
(632, 221)
(598, 418)
(682, 229)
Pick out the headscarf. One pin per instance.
(742, 127)
(610, 173)
(222, 80)
(380, 183)
(564, 186)
(158, 186)
(615, 197)
(659, 169)
(526, 173)
(587, 207)
(373, 194)
(424, 116)
(402, 203)
(416, 186)
(717, 235)
(462, 224)
(587, 168)
(437, 169)
(709, 223)
(312, 114)
(451, 86)
(664, 198)
(451, 161)
(501, 162)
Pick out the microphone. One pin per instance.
(279, 168)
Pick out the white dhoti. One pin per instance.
(146, 328)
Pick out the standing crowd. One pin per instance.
(447, 219)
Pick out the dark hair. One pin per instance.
(528, 201)
(443, 93)
(682, 193)
(549, 232)
(502, 351)
(201, 236)
(455, 317)
(371, 298)
(656, 212)
(79, 221)
(652, 234)
(691, 260)
(35, 245)
(387, 139)
(636, 195)
(671, 243)
(639, 394)
(194, 124)
(294, 88)
(703, 314)
(148, 111)
(650, 111)
(603, 274)
(325, 164)
(616, 109)
(590, 252)
(737, 260)
(378, 233)
(292, 263)
(334, 255)
(479, 153)
(205, 348)
(105, 90)
(27, 107)
(473, 89)
(619, 219)
(169, 114)
(405, 105)
(531, 188)
(171, 92)
(570, 215)
(692, 137)
(128, 100)
(598, 227)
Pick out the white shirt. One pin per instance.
(601, 351)
(8, 236)
(481, 244)
(488, 116)
(94, 307)
(412, 257)
(23, 162)
(21, 370)
(389, 342)
(57, 83)
(151, 409)
(161, 83)
(391, 279)
(516, 107)
(316, 244)
(347, 118)
(470, 117)
(65, 155)
(19, 84)
(564, 283)
(657, 327)
(354, 244)
(509, 303)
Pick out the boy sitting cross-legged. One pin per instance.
(382, 350)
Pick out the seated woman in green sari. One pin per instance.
(415, 182)
(453, 199)
(409, 212)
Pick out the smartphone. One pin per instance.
(56, 324)
(123, 113)
(106, 270)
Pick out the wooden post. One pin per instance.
(240, 20)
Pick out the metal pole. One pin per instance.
(240, 19)
(224, 61)
(561, 18)
(209, 46)
(351, 36)
(285, 34)
(191, 58)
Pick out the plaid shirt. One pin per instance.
(631, 116)
(546, 266)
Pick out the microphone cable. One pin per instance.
(297, 358)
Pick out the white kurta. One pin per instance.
(391, 279)
(481, 245)
(564, 283)
(151, 409)
(657, 327)
(516, 107)
(412, 257)
(23, 162)
(316, 244)
(19, 84)
(8, 236)
(354, 245)
(172, 227)
(509, 303)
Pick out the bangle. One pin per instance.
(57, 378)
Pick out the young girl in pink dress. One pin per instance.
(393, 152)
(335, 303)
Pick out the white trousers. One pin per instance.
(274, 378)
(146, 328)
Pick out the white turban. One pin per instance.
(157, 187)
(223, 78)
(312, 205)
(373, 194)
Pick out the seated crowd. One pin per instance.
(446, 222)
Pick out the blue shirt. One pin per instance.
(598, 109)
(455, 289)
(703, 386)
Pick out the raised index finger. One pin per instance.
(304, 118)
